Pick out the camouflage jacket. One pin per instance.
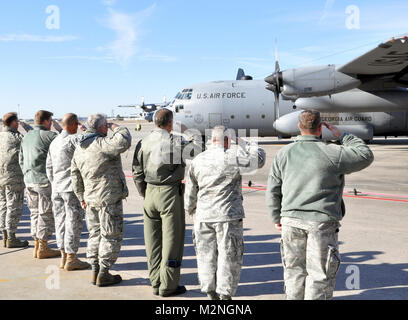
(159, 159)
(96, 168)
(33, 154)
(10, 171)
(306, 180)
(214, 182)
(59, 161)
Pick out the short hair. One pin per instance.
(163, 117)
(42, 116)
(8, 118)
(309, 120)
(70, 119)
(96, 121)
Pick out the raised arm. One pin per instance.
(249, 156)
(118, 143)
(355, 154)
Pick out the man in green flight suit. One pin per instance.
(158, 169)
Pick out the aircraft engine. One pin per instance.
(287, 126)
(313, 82)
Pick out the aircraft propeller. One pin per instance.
(274, 83)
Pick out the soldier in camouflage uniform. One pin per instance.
(214, 197)
(100, 184)
(67, 209)
(32, 158)
(158, 169)
(304, 200)
(11, 182)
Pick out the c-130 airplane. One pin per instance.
(367, 97)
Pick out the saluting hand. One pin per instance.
(336, 132)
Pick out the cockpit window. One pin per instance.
(185, 94)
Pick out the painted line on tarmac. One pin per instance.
(344, 195)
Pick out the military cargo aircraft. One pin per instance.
(367, 97)
(148, 109)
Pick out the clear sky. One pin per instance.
(102, 53)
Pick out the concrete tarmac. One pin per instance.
(373, 241)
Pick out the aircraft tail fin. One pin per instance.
(240, 74)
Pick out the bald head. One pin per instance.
(70, 123)
(221, 136)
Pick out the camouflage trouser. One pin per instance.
(219, 247)
(105, 226)
(40, 204)
(310, 258)
(11, 207)
(68, 221)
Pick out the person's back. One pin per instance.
(304, 200)
(99, 162)
(67, 209)
(163, 164)
(59, 160)
(214, 198)
(99, 183)
(158, 169)
(11, 181)
(33, 155)
(218, 174)
(10, 170)
(312, 174)
(32, 158)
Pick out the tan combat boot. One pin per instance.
(73, 263)
(44, 252)
(36, 245)
(14, 242)
(63, 259)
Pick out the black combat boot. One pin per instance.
(105, 279)
(13, 242)
(212, 295)
(179, 290)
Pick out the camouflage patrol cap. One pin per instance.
(8, 118)
(309, 120)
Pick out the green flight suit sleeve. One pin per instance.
(274, 192)
(138, 170)
(355, 154)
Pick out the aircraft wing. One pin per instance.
(386, 63)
